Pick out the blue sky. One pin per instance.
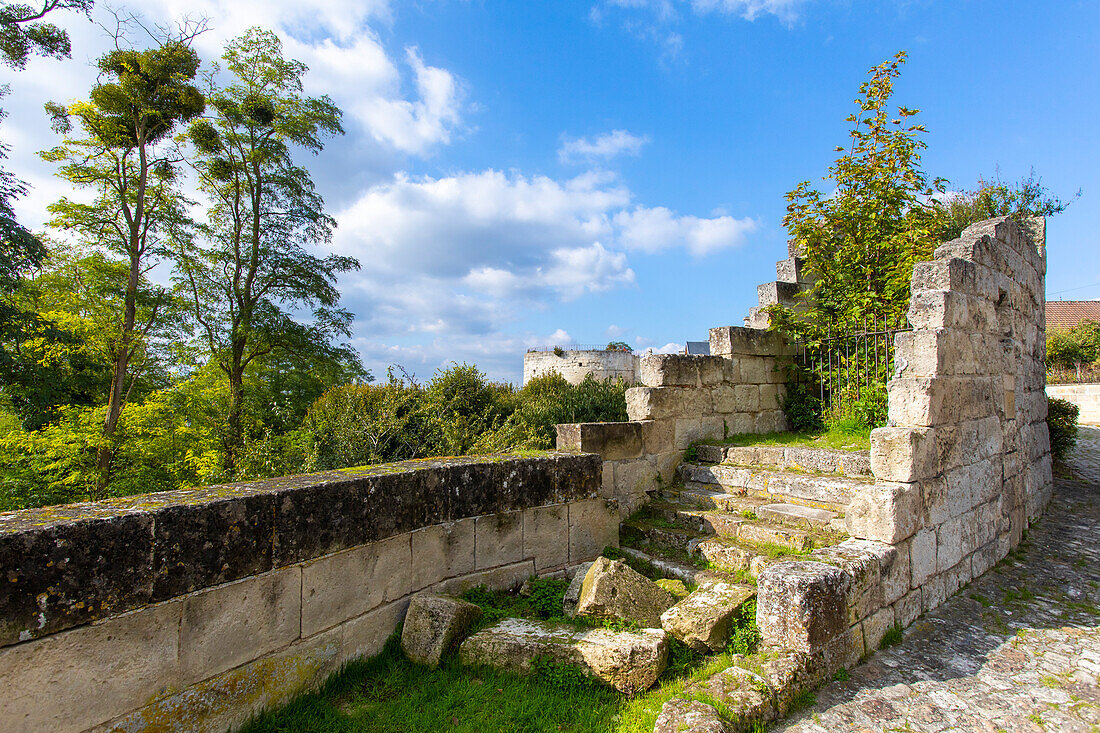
(518, 174)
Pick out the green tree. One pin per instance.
(619, 346)
(255, 266)
(124, 158)
(1021, 200)
(860, 243)
(22, 31)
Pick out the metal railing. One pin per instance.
(849, 363)
(570, 347)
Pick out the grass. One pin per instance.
(390, 694)
(835, 438)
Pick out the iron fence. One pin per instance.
(850, 363)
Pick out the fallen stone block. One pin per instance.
(573, 592)
(628, 661)
(433, 625)
(611, 589)
(745, 695)
(704, 619)
(689, 716)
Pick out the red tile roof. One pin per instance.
(1065, 314)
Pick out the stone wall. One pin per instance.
(961, 470)
(576, 365)
(191, 610)
(739, 388)
(1085, 396)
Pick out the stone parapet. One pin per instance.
(192, 610)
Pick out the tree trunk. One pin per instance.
(234, 432)
(105, 454)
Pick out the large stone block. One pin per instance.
(546, 536)
(433, 625)
(922, 556)
(692, 429)
(235, 623)
(904, 454)
(364, 636)
(689, 716)
(885, 511)
(704, 619)
(628, 661)
(933, 401)
(613, 441)
(442, 551)
(802, 605)
(655, 403)
(950, 273)
(866, 563)
(347, 584)
(657, 436)
(593, 525)
(670, 370)
(738, 341)
(77, 679)
(498, 539)
(612, 590)
(633, 479)
(753, 370)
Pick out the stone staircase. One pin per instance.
(790, 279)
(738, 509)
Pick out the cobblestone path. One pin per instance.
(1016, 650)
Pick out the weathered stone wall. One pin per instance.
(191, 610)
(738, 389)
(576, 365)
(1085, 396)
(961, 470)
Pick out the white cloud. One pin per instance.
(605, 146)
(614, 332)
(785, 10)
(655, 229)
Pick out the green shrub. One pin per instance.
(1062, 425)
(802, 408)
(745, 636)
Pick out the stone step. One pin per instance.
(814, 460)
(628, 661)
(643, 531)
(795, 515)
(703, 496)
(733, 556)
(748, 527)
(757, 318)
(777, 292)
(785, 486)
(689, 574)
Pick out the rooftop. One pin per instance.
(1065, 314)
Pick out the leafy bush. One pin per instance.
(1075, 347)
(802, 408)
(746, 636)
(1062, 425)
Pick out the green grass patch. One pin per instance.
(846, 438)
(892, 636)
(389, 694)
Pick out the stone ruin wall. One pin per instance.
(575, 365)
(685, 399)
(962, 469)
(192, 610)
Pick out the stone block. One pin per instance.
(932, 401)
(952, 273)
(801, 605)
(743, 694)
(885, 511)
(63, 568)
(607, 489)
(507, 577)
(573, 590)
(612, 590)
(933, 593)
(771, 421)
(655, 403)
(612, 441)
(908, 608)
(593, 525)
(546, 536)
(671, 370)
(931, 309)
(716, 370)
(753, 370)
(875, 627)
(845, 650)
(364, 636)
(703, 619)
(442, 551)
(633, 479)
(865, 563)
(434, 625)
(897, 577)
(628, 661)
(740, 422)
(347, 584)
(689, 716)
(949, 544)
(690, 430)
(922, 556)
(229, 625)
(657, 436)
(738, 341)
(498, 539)
(904, 454)
(80, 678)
(769, 397)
